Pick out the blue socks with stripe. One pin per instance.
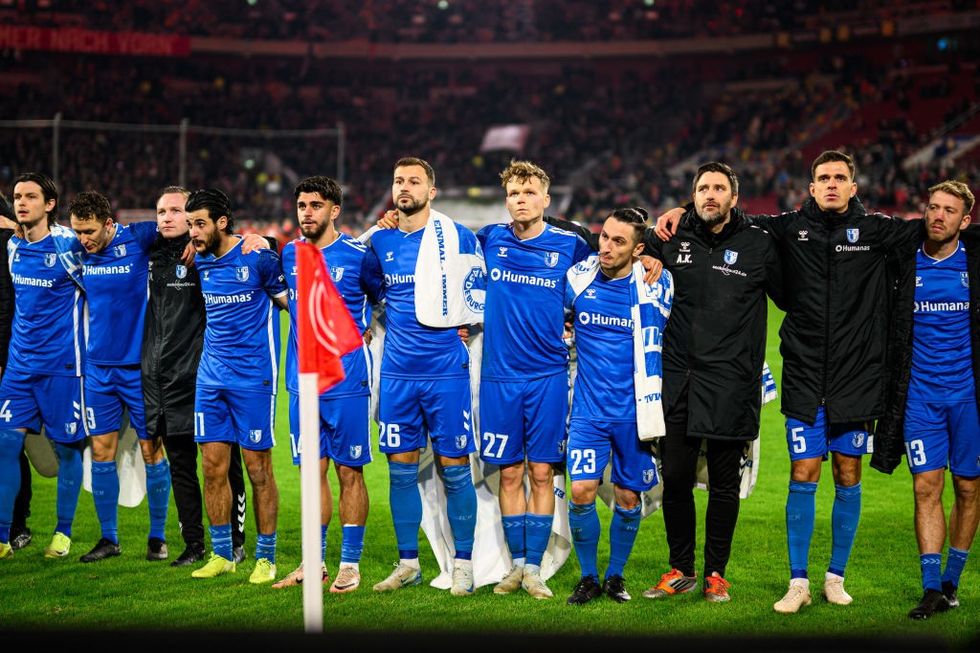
(265, 546)
(406, 507)
(158, 497)
(514, 535)
(584, 523)
(461, 508)
(931, 564)
(351, 543)
(105, 492)
(800, 515)
(955, 561)
(622, 534)
(221, 540)
(69, 484)
(11, 442)
(537, 532)
(844, 523)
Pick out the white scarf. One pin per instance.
(650, 310)
(450, 285)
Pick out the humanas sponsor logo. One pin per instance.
(240, 298)
(395, 279)
(598, 319)
(937, 307)
(852, 248)
(93, 270)
(21, 280)
(496, 274)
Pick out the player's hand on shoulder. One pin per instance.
(389, 220)
(187, 256)
(653, 267)
(253, 243)
(667, 223)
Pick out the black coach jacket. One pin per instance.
(173, 336)
(833, 336)
(890, 431)
(6, 298)
(715, 340)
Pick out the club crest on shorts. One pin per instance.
(551, 259)
(648, 476)
(857, 439)
(355, 451)
(965, 279)
(120, 250)
(71, 427)
(255, 435)
(180, 271)
(853, 235)
(241, 273)
(336, 274)
(730, 257)
(50, 259)
(461, 441)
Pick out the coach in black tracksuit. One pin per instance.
(173, 338)
(713, 356)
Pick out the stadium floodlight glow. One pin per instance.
(648, 3)
(443, 4)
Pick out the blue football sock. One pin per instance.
(323, 541)
(158, 497)
(265, 547)
(11, 442)
(351, 543)
(514, 535)
(931, 563)
(955, 561)
(800, 515)
(461, 508)
(844, 523)
(69, 485)
(221, 540)
(537, 532)
(622, 534)
(584, 523)
(406, 507)
(105, 491)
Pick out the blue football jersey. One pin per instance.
(345, 260)
(48, 328)
(604, 344)
(941, 351)
(241, 339)
(115, 284)
(524, 315)
(413, 350)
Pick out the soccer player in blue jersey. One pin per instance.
(603, 421)
(115, 269)
(525, 367)
(42, 382)
(934, 365)
(237, 377)
(344, 427)
(425, 387)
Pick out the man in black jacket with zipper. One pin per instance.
(933, 399)
(714, 351)
(173, 337)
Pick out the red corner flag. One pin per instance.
(325, 328)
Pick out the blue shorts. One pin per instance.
(524, 418)
(817, 439)
(243, 416)
(27, 400)
(344, 430)
(408, 410)
(937, 433)
(589, 443)
(107, 390)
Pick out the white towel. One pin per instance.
(650, 310)
(450, 283)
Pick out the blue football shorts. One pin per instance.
(344, 429)
(521, 419)
(28, 400)
(937, 434)
(107, 390)
(590, 443)
(243, 416)
(409, 410)
(817, 439)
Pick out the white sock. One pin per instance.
(354, 565)
(805, 582)
(519, 562)
(830, 576)
(411, 562)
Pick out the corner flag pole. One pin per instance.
(309, 429)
